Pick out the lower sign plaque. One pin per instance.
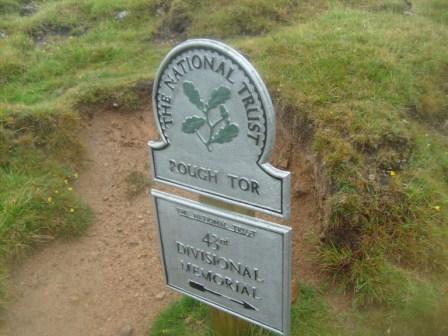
(235, 263)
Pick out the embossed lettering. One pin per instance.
(165, 110)
(221, 69)
(229, 74)
(182, 65)
(244, 184)
(169, 81)
(194, 171)
(220, 280)
(196, 62)
(253, 114)
(209, 62)
(177, 74)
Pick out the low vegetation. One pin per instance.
(37, 200)
(370, 80)
(376, 96)
(187, 317)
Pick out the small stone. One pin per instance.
(140, 216)
(2, 35)
(126, 330)
(121, 16)
(445, 125)
(132, 244)
(105, 198)
(74, 298)
(160, 296)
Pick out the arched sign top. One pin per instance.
(202, 56)
(217, 124)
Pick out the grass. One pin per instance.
(187, 317)
(369, 80)
(136, 183)
(37, 201)
(184, 317)
(376, 135)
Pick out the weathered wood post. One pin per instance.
(217, 125)
(224, 324)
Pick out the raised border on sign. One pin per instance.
(259, 224)
(283, 176)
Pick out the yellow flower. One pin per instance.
(50, 199)
(436, 207)
(66, 181)
(75, 175)
(69, 188)
(72, 210)
(392, 173)
(56, 191)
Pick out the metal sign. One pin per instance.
(217, 125)
(239, 264)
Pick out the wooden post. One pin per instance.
(224, 324)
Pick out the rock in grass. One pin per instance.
(2, 35)
(409, 11)
(126, 330)
(121, 16)
(29, 9)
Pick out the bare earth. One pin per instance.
(111, 277)
(109, 282)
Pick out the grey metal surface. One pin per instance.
(236, 263)
(217, 127)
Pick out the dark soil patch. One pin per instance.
(44, 33)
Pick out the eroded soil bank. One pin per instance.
(109, 280)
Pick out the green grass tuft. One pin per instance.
(136, 183)
(37, 201)
(185, 317)
(358, 89)
(310, 316)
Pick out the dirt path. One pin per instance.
(111, 277)
(110, 280)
